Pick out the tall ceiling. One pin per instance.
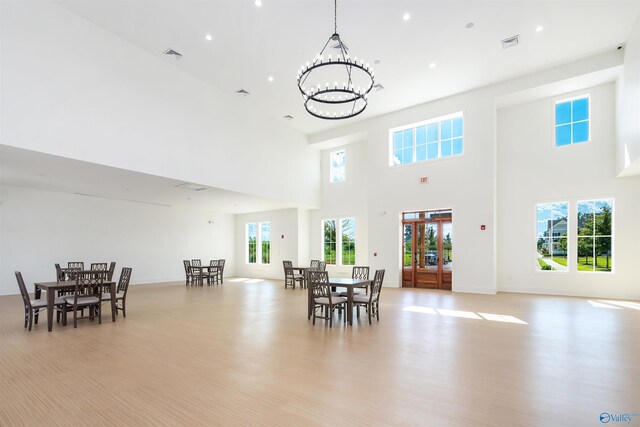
(249, 43)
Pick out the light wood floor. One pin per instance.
(243, 353)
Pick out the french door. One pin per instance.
(427, 258)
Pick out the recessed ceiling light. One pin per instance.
(432, 65)
(270, 78)
(469, 25)
(209, 37)
(258, 3)
(539, 28)
(406, 16)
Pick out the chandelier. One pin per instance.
(334, 85)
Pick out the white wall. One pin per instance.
(628, 108)
(348, 199)
(72, 89)
(41, 228)
(532, 170)
(284, 222)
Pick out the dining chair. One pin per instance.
(196, 262)
(32, 307)
(121, 291)
(322, 298)
(87, 294)
(112, 268)
(370, 302)
(213, 275)
(99, 266)
(315, 263)
(221, 271)
(76, 264)
(322, 265)
(187, 271)
(60, 277)
(290, 278)
(360, 273)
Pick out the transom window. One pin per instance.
(259, 243)
(339, 241)
(433, 139)
(337, 166)
(572, 121)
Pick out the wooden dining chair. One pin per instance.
(371, 302)
(76, 264)
(187, 271)
(196, 262)
(121, 291)
(290, 278)
(315, 263)
(322, 298)
(112, 268)
(322, 265)
(32, 307)
(359, 273)
(212, 275)
(87, 294)
(60, 277)
(221, 271)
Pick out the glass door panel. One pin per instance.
(431, 256)
(447, 246)
(407, 245)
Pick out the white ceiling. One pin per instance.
(30, 169)
(250, 43)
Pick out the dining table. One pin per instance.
(198, 271)
(53, 287)
(342, 282)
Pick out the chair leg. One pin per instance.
(30, 319)
(369, 308)
(26, 317)
(37, 314)
(75, 317)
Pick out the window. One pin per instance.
(572, 121)
(594, 235)
(437, 138)
(259, 243)
(339, 241)
(251, 243)
(337, 166)
(551, 229)
(265, 239)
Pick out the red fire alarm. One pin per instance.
(424, 180)
(483, 227)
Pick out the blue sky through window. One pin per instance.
(572, 121)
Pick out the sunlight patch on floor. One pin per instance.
(625, 304)
(603, 305)
(465, 314)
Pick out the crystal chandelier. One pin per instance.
(334, 85)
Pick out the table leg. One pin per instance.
(350, 305)
(113, 302)
(51, 295)
(309, 302)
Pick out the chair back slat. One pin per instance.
(125, 277)
(376, 286)
(214, 263)
(196, 262)
(322, 265)
(76, 264)
(99, 266)
(315, 263)
(112, 269)
(361, 273)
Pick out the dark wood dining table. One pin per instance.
(53, 287)
(342, 282)
(198, 270)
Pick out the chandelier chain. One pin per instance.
(335, 16)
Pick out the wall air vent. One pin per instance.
(242, 92)
(191, 186)
(173, 54)
(510, 41)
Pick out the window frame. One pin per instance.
(258, 243)
(611, 236)
(589, 120)
(414, 127)
(338, 242)
(568, 237)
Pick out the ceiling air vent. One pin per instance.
(173, 54)
(510, 41)
(378, 87)
(192, 187)
(242, 92)
(288, 117)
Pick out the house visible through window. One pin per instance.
(572, 121)
(594, 235)
(337, 166)
(552, 225)
(436, 138)
(259, 243)
(339, 241)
